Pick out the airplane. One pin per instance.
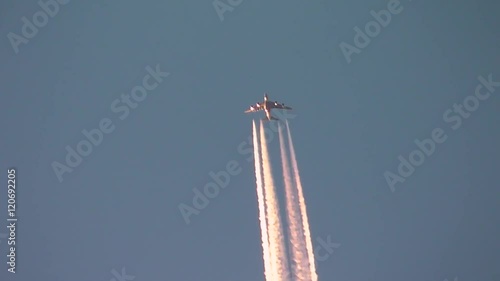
(267, 106)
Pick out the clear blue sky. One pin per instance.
(119, 207)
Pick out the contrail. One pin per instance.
(268, 270)
(275, 228)
(297, 243)
(273, 244)
(302, 204)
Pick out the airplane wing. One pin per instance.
(278, 105)
(254, 108)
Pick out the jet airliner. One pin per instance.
(267, 105)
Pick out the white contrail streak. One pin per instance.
(275, 228)
(268, 270)
(302, 204)
(297, 243)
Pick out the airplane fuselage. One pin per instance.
(266, 106)
(268, 112)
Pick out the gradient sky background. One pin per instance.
(119, 208)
